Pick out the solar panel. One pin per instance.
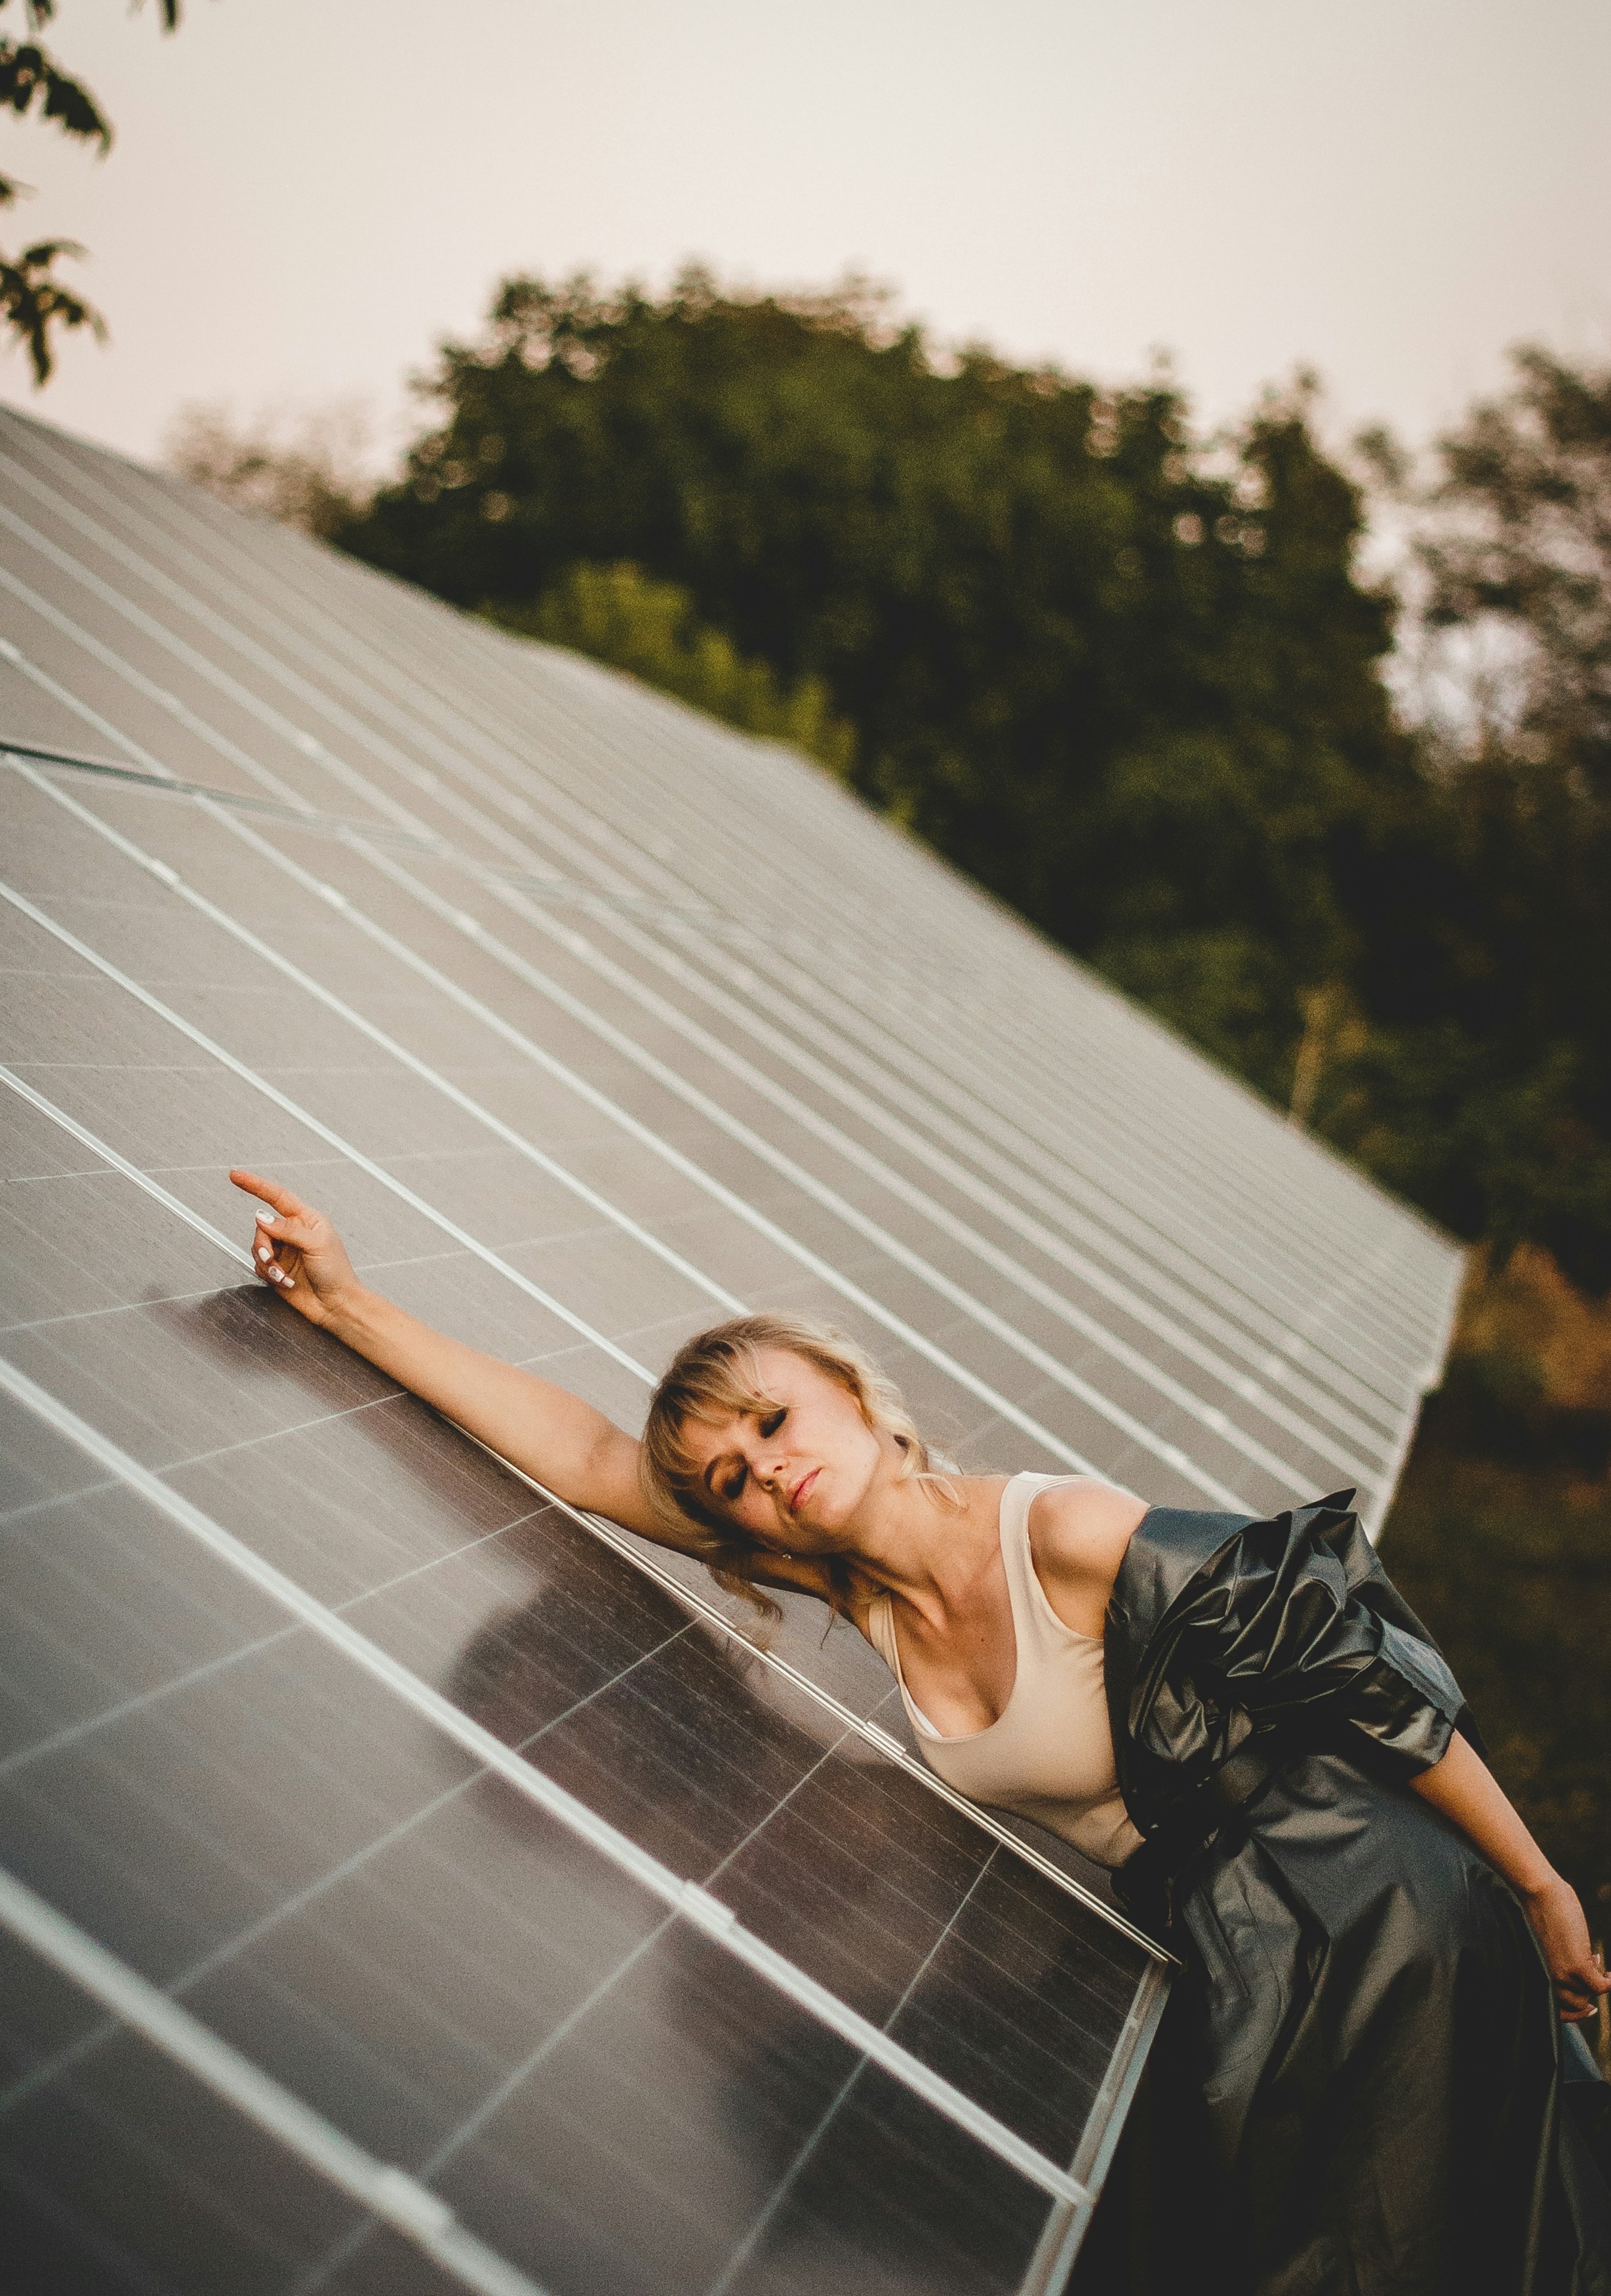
(406, 1882)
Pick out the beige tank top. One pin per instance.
(1049, 1753)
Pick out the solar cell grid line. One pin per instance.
(687, 1596)
(1010, 1411)
(875, 1232)
(193, 790)
(90, 1140)
(1399, 1266)
(803, 1052)
(689, 1900)
(399, 1052)
(827, 1271)
(929, 1208)
(631, 1550)
(1373, 1329)
(511, 897)
(214, 618)
(304, 745)
(1172, 1453)
(20, 902)
(1056, 1303)
(386, 2193)
(377, 703)
(1131, 1357)
(687, 802)
(974, 1310)
(168, 704)
(871, 1733)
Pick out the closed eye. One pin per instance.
(732, 1490)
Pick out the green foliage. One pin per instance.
(33, 301)
(1129, 682)
(618, 615)
(1130, 688)
(1484, 1089)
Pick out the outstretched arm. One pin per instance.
(545, 1430)
(1466, 1789)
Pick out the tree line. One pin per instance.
(1129, 679)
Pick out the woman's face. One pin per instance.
(794, 1476)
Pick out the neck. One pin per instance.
(914, 1543)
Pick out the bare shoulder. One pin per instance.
(1078, 1534)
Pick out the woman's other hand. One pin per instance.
(297, 1252)
(1579, 1974)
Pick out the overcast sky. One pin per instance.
(306, 194)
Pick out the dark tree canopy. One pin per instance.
(1129, 681)
(1064, 641)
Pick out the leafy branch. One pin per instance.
(32, 302)
(32, 299)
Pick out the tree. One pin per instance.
(1485, 1088)
(1521, 541)
(33, 301)
(307, 472)
(618, 615)
(1129, 685)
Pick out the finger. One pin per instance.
(294, 1233)
(279, 1278)
(1582, 1999)
(269, 1192)
(268, 1263)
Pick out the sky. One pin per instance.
(306, 195)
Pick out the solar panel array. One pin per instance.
(405, 1882)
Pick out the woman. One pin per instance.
(1359, 2090)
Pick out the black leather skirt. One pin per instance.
(1362, 2088)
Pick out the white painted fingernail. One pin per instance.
(263, 1252)
(265, 1219)
(291, 1283)
(277, 1276)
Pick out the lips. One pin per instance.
(797, 1496)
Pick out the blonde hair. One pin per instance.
(715, 1376)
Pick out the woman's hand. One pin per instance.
(1578, 1972)
(297, 1252)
